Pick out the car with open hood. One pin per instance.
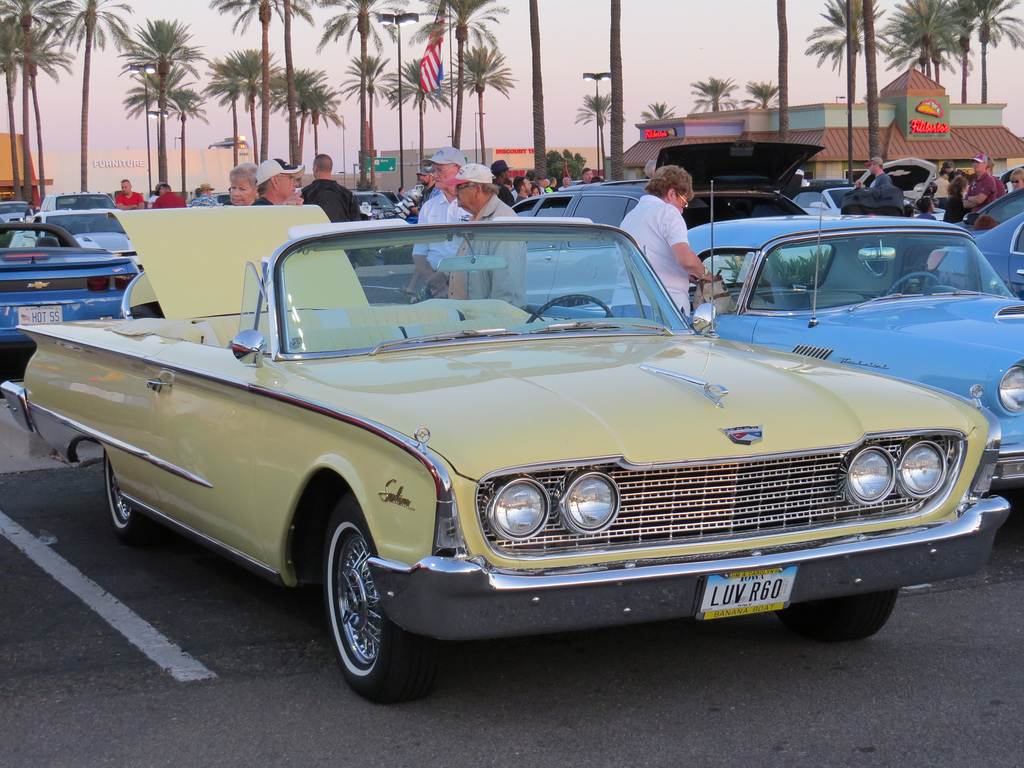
(909, 298)
(46, 276)
(911, 175)
(745, 178)
(469, 445)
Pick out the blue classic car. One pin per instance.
(46, 276)
(908, 298)
(1003, 246)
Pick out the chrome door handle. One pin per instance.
(166, 379)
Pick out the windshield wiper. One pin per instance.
(435, 337)
(600, 325)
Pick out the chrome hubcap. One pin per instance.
(358, 602)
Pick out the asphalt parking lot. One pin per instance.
(939, 685)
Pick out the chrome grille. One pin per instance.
(715, 499)
(821, 353)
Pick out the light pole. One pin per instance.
(344, 161)
(398, 19)
(597, 77)
(145, 70)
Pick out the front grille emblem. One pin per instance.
(745, 435)
(38, 285)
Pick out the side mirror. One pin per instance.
(249, 346)
(703, 319)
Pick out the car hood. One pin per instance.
(195, 257)
(760, 165)
(496, 405)
(975, 321)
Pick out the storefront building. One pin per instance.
(915, 117)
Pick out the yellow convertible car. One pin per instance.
(497, 428)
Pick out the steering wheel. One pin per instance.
(928, 277)
(558, 301)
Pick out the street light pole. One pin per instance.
(597, 77)
(398, 19)
(344, 161)
(144, 70)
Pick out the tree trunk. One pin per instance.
(316, 135)
(364, 141)
(302, 137)
(371, 151)
(539, 139)
(26, 66)
(483, 144)
(265, 9)
(965, 51)
(616, 69)
(254, 143)
(871, 73)
(39, 137)
(184, 190)
(984, 71)
(461, 35)
(164, 69)
(421, 108)
(780, 13)
(15, 165)
(234, 135)
(294, 146)
(86, 70)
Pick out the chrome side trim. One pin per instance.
(17, 404)
(82, 431)
(713, 392)
(230, 553)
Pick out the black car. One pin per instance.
(747, 177)
(1000, 209)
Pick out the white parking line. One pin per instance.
(135, 629)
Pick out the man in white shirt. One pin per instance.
(439, 209)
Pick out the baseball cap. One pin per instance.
(425, 171)
(206, 186)
(270, 168)
(448, 156)
(474, 173)
(947, 166)
(981, 157)
(499, 166)
(876, 160)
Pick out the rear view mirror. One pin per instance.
(470, 263)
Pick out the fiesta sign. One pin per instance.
(652, 133)
(931, 108)
(923, 126)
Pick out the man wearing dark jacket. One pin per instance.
(338, 203)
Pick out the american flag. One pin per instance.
(431, 68)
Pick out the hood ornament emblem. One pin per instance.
(745, 435)
(38, 285)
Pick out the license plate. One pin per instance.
(40, 315)
(743, 592)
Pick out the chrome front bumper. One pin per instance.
(461, 600)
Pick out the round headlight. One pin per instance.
(1011, 389)
(519, 509)
(922, 469)
(871, 476)
(590, 503)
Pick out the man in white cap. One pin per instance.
(984, 189)
(478, 194)
(277, 183)
(440, 209)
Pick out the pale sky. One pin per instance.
(665, 47)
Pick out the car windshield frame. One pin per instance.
(356, 291)
(845, 269)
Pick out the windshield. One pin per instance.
(82, 224)
(81, 202)
(411, 285)
(855, 268)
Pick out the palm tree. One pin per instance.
(228, 86)
(966, 22)
(247, 67)
(356, 19)
(922, 32)
(164, 44)
(615, 65)
(30, 13)
(783, 26)
(247, 11)
(94, 22)
(871, 74)
(367, 77)
(659, 110)
(290, 8)
(829, 40)
(539, 138)
(49, 57)
(412, 90)
(762, 95)
(597, 108)
(994, 24)
(322, 102)
(304, 82)
(469, 19)
(485, 68)
(186, 104)
(10, 63)
(713, 94)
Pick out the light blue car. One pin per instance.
(908, 298)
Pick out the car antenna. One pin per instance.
(817, 261)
